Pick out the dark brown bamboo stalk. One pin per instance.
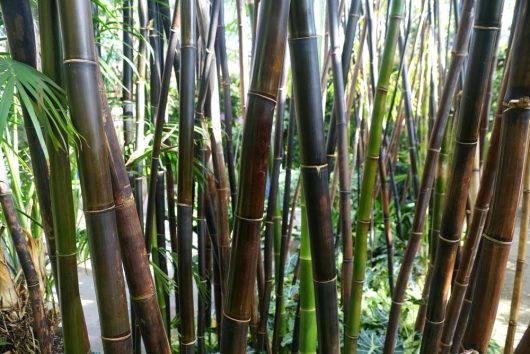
(18, 22)
(482, 53)
(268, 59)
(314, 168)
(277, 156)
(437, 134)
(521, 260)
(228, 112)
(40, 324)
(508, 185)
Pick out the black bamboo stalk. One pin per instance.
(437, 134)
(185, 172)
(159, 258)
(266, 72)
(314, 168)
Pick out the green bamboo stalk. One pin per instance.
(369, 176)
(481, 55)
(40, 323)
(314, 169)
(498, 234)
(81, 74)
(435, 142)
(268, 57)
(308, 324)
(74, 327)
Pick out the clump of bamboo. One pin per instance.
(482, 53)
(435, 142)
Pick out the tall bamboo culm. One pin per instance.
(364, 214)
(481, 55)
(248, 216)
(437, 134)
(74, 327)
(314, 169)
(185, 174)
(497, 238)
(81, 77)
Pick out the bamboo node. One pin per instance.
(235, 319)
(66, 255)
(486, 28)
(325, 281)
(435, 322)
(87, 211)
(498, 242)
(366, 222)
(116, 339)
(436, 150)
(184, 205)
(262, 95)
(399, 303)
(126, 203)
(447, 239)
(317, 167)
(74, 61)
(248, 219)
(521, 103)
(353, 338)
(190, 343)
(302, 37)
(458, 54)
(396, 17)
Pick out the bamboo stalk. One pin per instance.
(521, 256)
(185, 174)
(435, 141)
(74, 327)
(524, 344)
(308, 328)
(499, 231)
(271, 220)
(266, 72)
(40, 323)
(369, 176)
(314, 169)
